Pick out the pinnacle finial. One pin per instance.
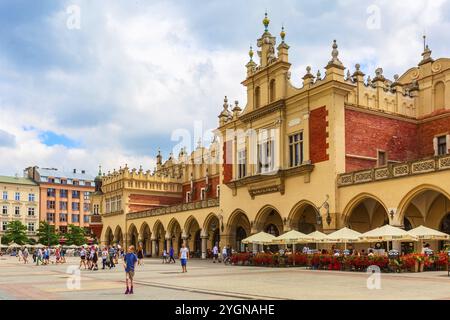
(334, 56)
(282, 34)
(266, 22)
(250, 53)
(99, 169)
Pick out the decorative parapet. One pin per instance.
(392, 171)
(115, 213)
(174, 209)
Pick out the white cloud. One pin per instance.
(134, 72)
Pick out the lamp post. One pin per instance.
(326, 206)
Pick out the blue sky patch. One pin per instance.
(50, 138)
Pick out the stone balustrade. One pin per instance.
(173, 209)
(397, 170)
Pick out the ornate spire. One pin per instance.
(319, 75)
(266, 22)
(308, 74)
(236, 108)
(358, 72)
(379, 75)
(159, 157)
(282, 34)
(426, 54)
(335, 62)
(99, 170)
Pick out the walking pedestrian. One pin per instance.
(25, 256)
(39, 257)
(94, 259)
(129, 262)
(224, 254)
(184, 256)
(164, 256)
(140, 255)
(63, 255)
(171, 255)
(105, 255)
(58, 255)
(83, 257)
(111, 257)
(215, 253)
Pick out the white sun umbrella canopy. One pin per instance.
(317, 236)
(425, 233)
(292, 237)
(259, 238)
(3, 246)
(344, 235)
(14, 245)
(387, 233)
(39, 246)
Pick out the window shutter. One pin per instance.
(435, 145)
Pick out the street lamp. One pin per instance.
(326, 206)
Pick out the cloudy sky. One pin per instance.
(122, 80)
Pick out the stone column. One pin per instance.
(154, 253)
(168, 245)
(204, 245)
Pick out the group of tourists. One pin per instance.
(89, 257)
(42, 256)
(221, 256)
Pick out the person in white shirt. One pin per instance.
(224, 254)
(184, 256)
(215, 253)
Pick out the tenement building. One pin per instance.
(64, 196)
(344, 149)
(19, 202)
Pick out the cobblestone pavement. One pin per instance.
(206, 280)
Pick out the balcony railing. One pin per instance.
(173, 209)
(398, 170)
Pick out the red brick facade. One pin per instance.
(198, 185)
(140, 202)
(227, 161)
(318, 135)
(428, 130)
(402, 140)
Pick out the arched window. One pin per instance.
(272, 90)
(257, 97)
(439, 96)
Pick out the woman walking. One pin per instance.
(94, 259)
(140, 255)
(83, 257)
(25, 256)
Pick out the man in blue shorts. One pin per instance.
(184, 256)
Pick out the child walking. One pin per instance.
(129, 262)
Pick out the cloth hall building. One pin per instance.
(344, 149)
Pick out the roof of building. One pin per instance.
(17, 180)
(51, 172)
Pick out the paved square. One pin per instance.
(206, 280)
